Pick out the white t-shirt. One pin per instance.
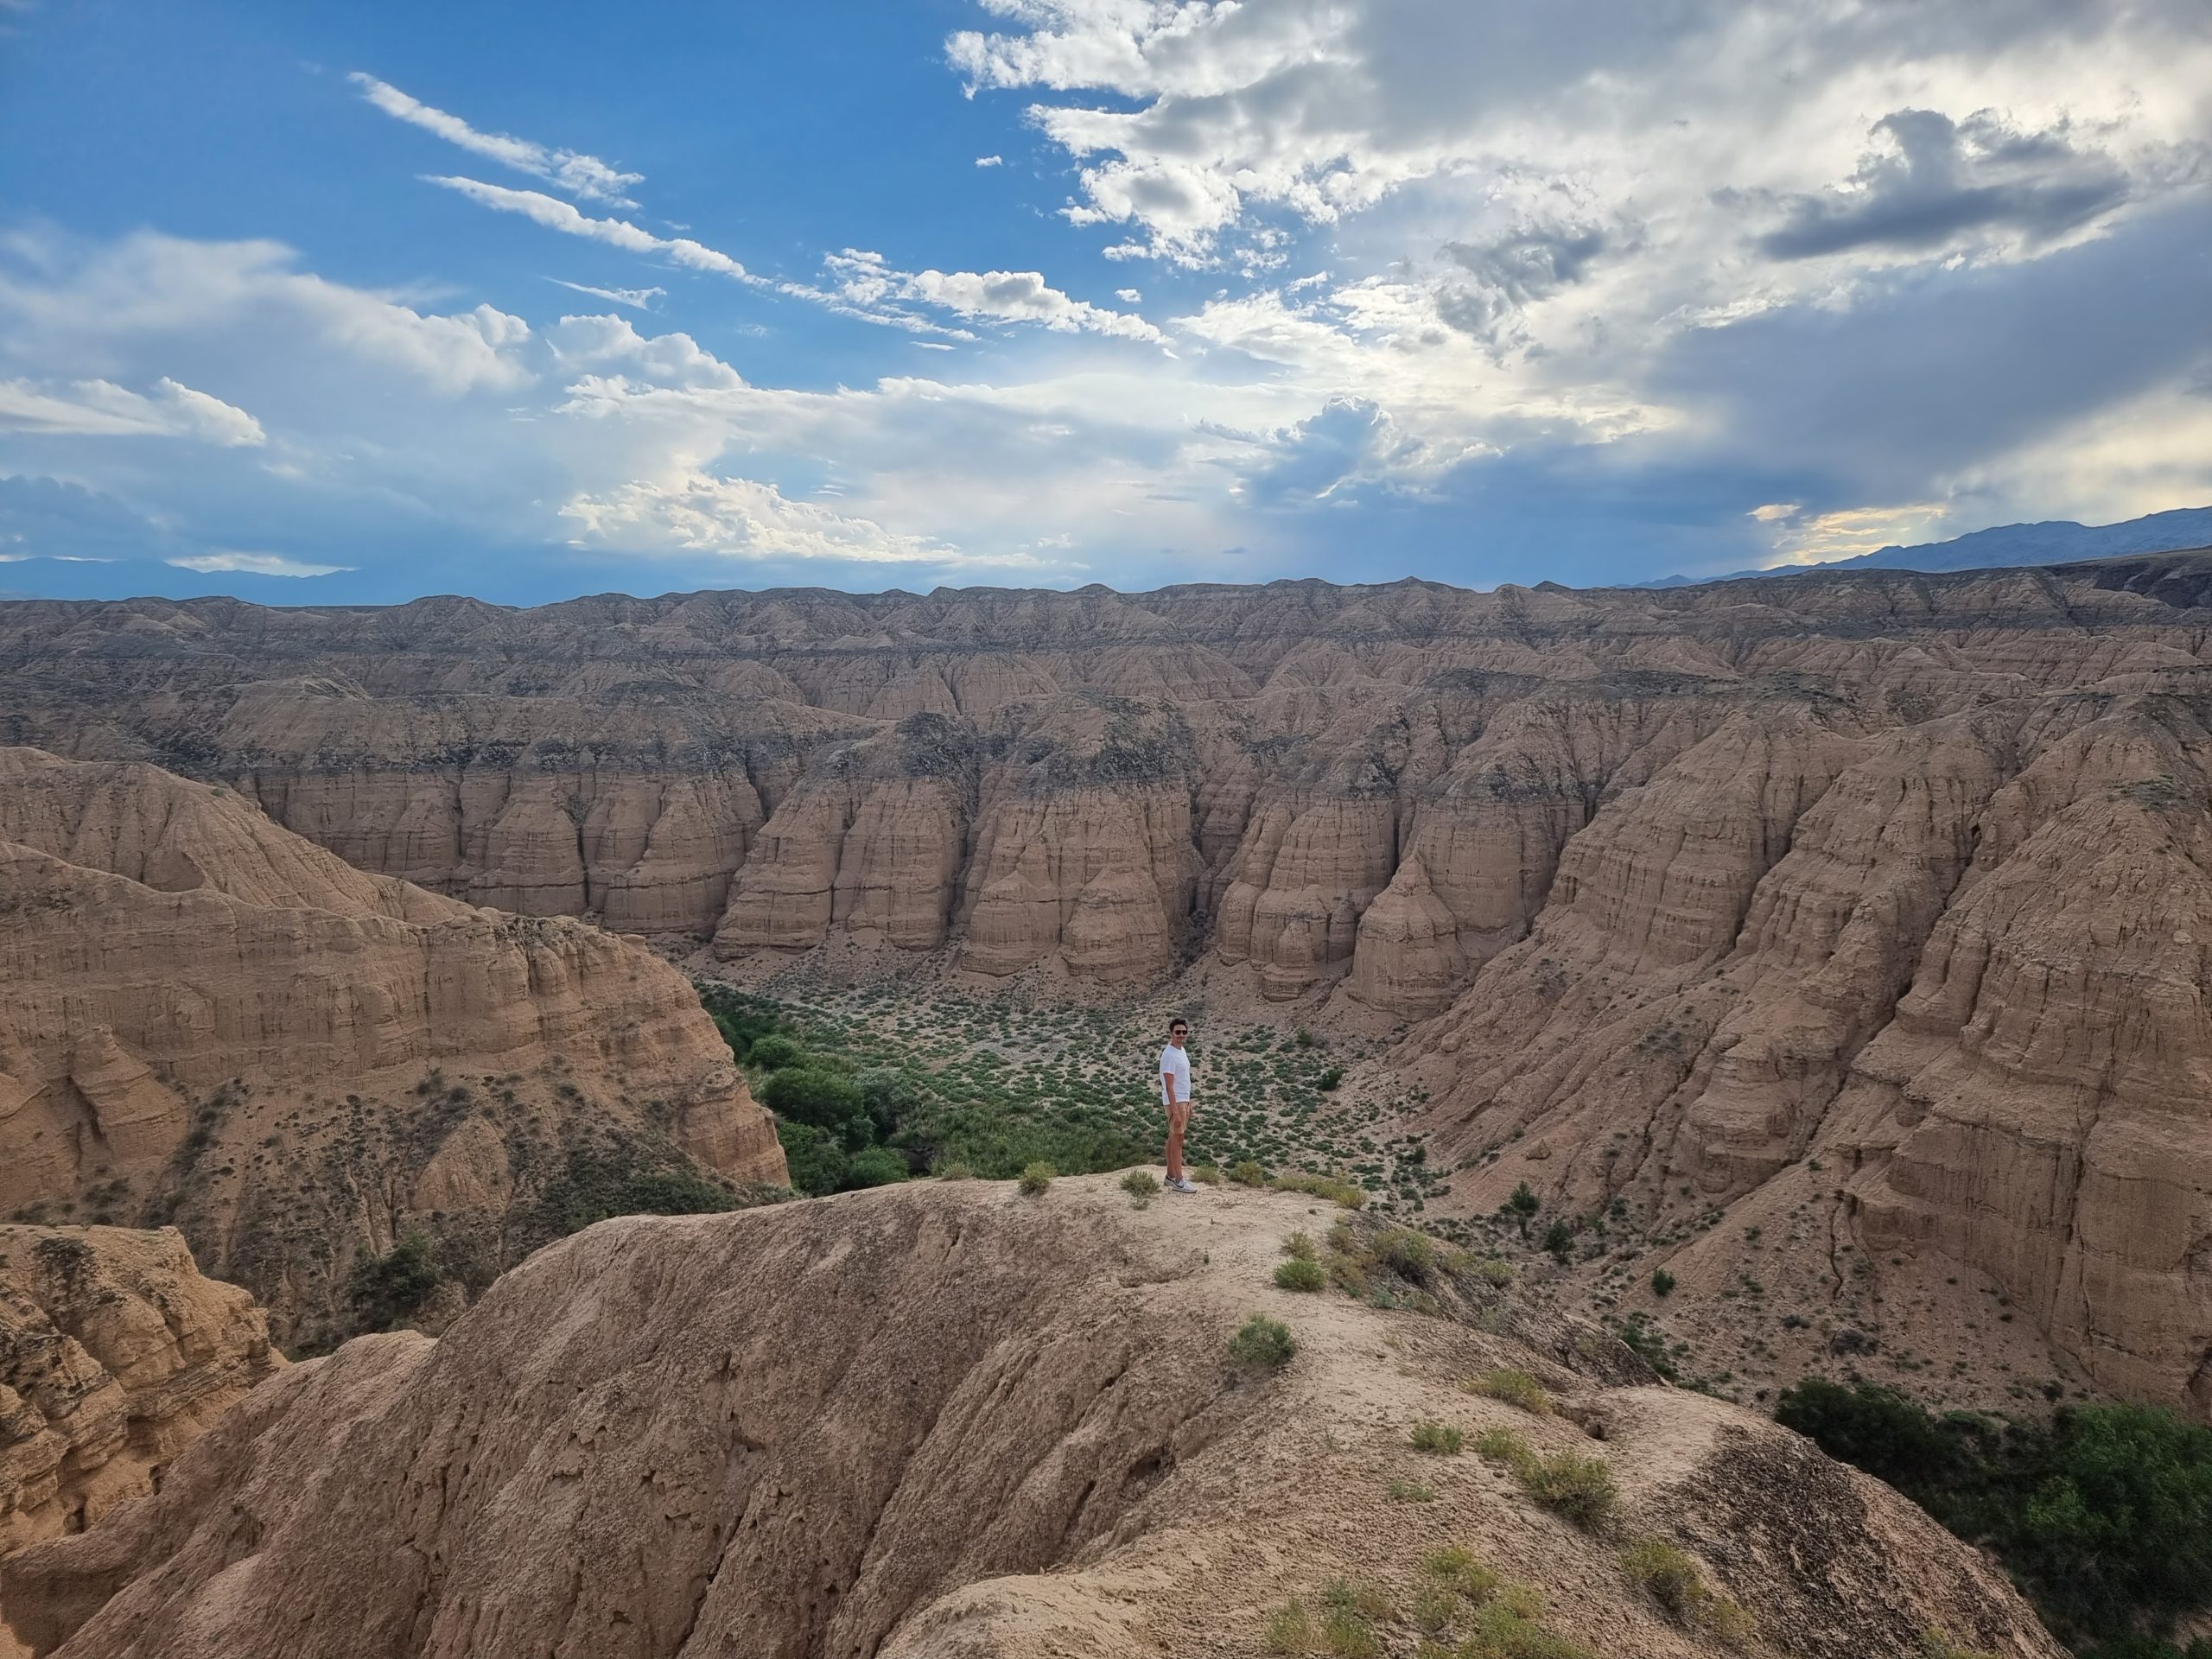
(1176, 1062)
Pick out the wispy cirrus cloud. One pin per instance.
(637, 299)
(259, 564)
(581, 175)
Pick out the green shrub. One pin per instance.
(1662, 1282)
(1505, 1631)
(772, 1053)
(1559, 1241)
(1438, 1440)
(953, 1171)
(875, 1167)
(1327, 1081)
(1261, 1343)
(1497, 1272)
(1405, 1253)
(1409, 1491)
(1301, 1274)
(1675, 1581)
(1140, 1183)
(1521, 1205)
(1036, 1177)
(1204, 1174)
(824, 1099)
(1246, 1172)
(1575, 1485)
(1300, 1248)
(1515, 1387)
(388, 1287)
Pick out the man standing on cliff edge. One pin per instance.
(1175, 1095)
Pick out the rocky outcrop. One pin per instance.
(948, 1419)
(209, 1020)
(115, 1354)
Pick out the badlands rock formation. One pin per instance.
(950, 1420)
(205, 1018)
(115, 1354)
(1879, 890)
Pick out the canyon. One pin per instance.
(1862, 908)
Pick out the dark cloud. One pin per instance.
(1318, 456)
(1531, 262)
(1939, 179)
(1933, 371)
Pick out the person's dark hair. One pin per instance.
(1174, 1026)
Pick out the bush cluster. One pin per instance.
(2103, 1514)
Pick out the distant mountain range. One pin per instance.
(2056, 541)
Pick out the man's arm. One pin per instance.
(1167, 1088)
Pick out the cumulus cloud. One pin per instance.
(101, 409)
(1936, 180)
(990, 160)
(606, 344)
(259, 564)
(739, 519)
(581, 175)
(993, 295)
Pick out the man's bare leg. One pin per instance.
(1178, 1119)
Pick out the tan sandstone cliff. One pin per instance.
(949, 1420)
(205, 1018)
(115, 1355)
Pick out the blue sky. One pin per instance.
(318, 303)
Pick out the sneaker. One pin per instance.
(1186, 1185)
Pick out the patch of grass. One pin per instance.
(1515, 1387)
(953, 1171)
(1204, 1174)
(1263, 1343)
(1036, 1177)
(1457, 1570)
(1246, 1171)
(1301, 1274)
(1409, 1491)
(1438, 1440)
(1674, 1580)
(1140, 1183)
(1497, 1272)
(1300, 1248)
(1342, 1194)
(1572, 1485)
(1504, 1631)
(1935, 1642)
(1290, 1629)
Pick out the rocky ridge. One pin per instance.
(208, 1019)
(952, 1419)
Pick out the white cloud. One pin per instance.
(1129, 296)
(746, 520)
(71, 306)
(579, 175)
(672, 359)
(101, 409)
(990, 160)
(997, 295)
(259, 564)
(556, 215)
(637, 299)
